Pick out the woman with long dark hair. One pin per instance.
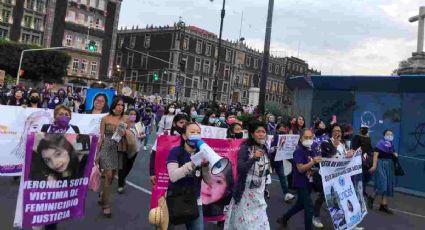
(167, 119)
(107, 156)
(209, 118)
(247, 209)
(100, 104)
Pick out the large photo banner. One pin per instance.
(286, 146)
(215, 195)
(99, 97)
(213, 132)
(17, 122)
(342, 184)
(55, 179)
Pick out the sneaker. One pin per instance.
(384, 208)
(317, 222)
(267, 193)
(358, 228)
(289, 196)
(120, 190)
(370, 201)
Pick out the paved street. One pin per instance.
(130, 210)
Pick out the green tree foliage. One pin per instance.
(277, 110)
(47, 66)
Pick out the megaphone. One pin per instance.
(217, 163)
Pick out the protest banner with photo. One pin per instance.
(55, 179)
(17, 122)
(103, 95)
(215, 200)
(342, 184)
(286, 146)
(213, 132)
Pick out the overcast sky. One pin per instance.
(361, 37)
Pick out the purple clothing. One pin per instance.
(159, 113)
(301, 156)
(385, 149)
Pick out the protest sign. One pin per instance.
(55, 179)
(215, 200)
(213, 132)
(17, 122)
(286, 146)
(99, 96)
(343, 188)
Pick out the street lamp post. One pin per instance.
(217, 68)
(264, 67)
(30, 50)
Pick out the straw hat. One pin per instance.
(159, 216)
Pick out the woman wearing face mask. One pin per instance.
(137, 129)
(383, 171)
(230, 118)
(167, 120)
(235, 131)
(278, 165)
(147, 119)
(247, 209)
(332, 148)
(304, 159)
(62, 116)
(34, 99)
(271, 125)
(209, 118)
(184, 173)
(107, 155)
(179, 122)
(362, 140)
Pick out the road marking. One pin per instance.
(138, 187)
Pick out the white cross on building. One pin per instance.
(421, 19)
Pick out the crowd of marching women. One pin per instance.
(255, 160)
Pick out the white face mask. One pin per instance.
(307, 143)
(171, 110)
(56, 101)
(262, 142)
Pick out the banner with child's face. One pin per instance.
(55, 178)
(217, 194)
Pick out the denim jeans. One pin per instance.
(278, 167)
(303, 202)
(197, 224)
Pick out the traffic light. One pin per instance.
(155, 76)
(91, 46)
(163, 72)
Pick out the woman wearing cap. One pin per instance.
(247, 209)
(383, 171)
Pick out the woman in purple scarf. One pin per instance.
(383, 171)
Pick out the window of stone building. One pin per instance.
(205, 84)
(276, 69)
(198, 47)
(226, 71)
(93, 69)
(35, 40)
(208, 49)
(83, 66)
(130, 60)
(207, 65)
(270, 67)
(197, 64)
(255, 63)
(3, 33)
(119, 58)
(68, 41)
(248, 61)
(147, 42)
(29, 4)
(120, 42)
(40, 5)
(134, 74)
(27, 21)
(195, 82)
(25, 38)
(228, 55)
(225, 87)
(186, 43)
(6, 15)
(132, 41)
(75, 64)
(37, 24)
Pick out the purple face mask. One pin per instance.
(62, 121)
(132, 117)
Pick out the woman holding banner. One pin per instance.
(107, 155)
(383, 169)
(304, 159)
(247, 209)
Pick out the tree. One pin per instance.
(49, 65)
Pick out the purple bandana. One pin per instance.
(385, 146)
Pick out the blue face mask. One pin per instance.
(193, 140)
(222, 119)
(211, 120)
(389, 138)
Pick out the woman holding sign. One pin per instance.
(247, 209)
(304, 159)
